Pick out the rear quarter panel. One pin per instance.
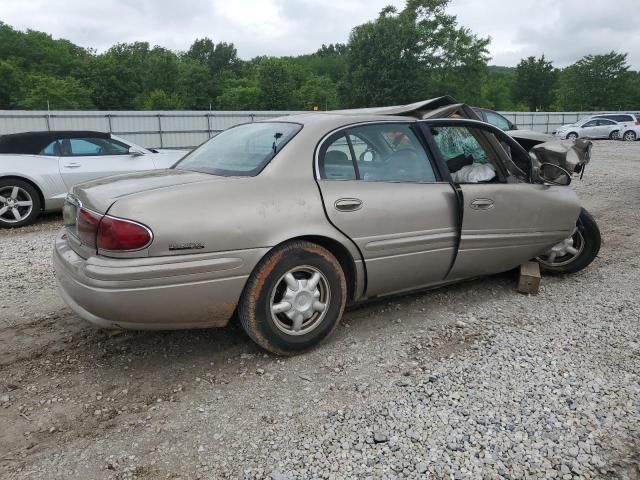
(39, 170)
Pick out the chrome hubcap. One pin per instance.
(299, 300)
(15, 204)
(564, 252)
(629, 136)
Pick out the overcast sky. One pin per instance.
(563, 30)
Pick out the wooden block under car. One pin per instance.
(529, 278)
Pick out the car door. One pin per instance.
(380, 187)
(87, 158)
(590, 129)
(605, 127)
(506, 219)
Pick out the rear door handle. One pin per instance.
(348, 204)
(72, 165)
(482, 204)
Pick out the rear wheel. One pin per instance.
(577, 251)
(294, 298)
(629, 136)
(19, 203)
(615, 135)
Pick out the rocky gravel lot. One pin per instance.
(464, 382)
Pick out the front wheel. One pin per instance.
(629, 136)
(576, 252)
(572, 136)
(294, 298)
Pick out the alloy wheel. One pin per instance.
(16, 204)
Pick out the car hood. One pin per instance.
(98, 195)
(530, 135)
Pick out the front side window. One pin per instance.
(469, 157)
(592, 123)
(90, 147)
(240, 151)
(606, 122)
(386, 152)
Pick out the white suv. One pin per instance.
(629, 125)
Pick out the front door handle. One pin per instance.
(482, 204)
(348, 204)
(72, 165)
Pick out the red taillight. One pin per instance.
(87, 227)
(117, 234)
(637, 121)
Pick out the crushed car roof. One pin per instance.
(32, 143)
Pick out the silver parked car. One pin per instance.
(629, 132)
(287, 221)
(37, 169)
(594, 128)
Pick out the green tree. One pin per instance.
(411, 54)
(595, 82)
(10, 85)
(240, 94)
(276, 84)
(217, 57)
(196, 87)
(44, 91)
(497, 88)
(158, 99)
(535, 83)
(317, 91)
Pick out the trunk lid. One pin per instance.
(99, 195)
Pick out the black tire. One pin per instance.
(630, 136)
(26, 193)
(572, 136)
(265, 285)
(615, 135)
(588, 234)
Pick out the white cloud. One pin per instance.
(563, 31)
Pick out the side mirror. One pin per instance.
(366, 156)
(553, 174)
(135, 152)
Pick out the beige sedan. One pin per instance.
(285, 222)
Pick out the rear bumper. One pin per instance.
(171, 292)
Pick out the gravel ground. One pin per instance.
(469, 381)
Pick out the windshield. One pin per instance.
(240, 151)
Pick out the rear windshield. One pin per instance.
(240, 151)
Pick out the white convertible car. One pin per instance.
(37, 169)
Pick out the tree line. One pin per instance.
(402, 56)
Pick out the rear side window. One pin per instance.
(618, 118)
(388, 152)
(52, 149)
(498, 121)
(240, 151)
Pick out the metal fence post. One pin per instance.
(208, 115)
(109, 121)
(160, 130)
